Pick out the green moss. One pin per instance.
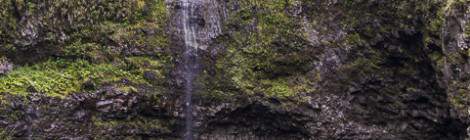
(266, 60)
(154, 11)
(90, 51)
(4, 135)
(277, 88)
(146, 32)
(460, 98)
(140, 65)
(134, 23)
(62, 77)
(134, 34)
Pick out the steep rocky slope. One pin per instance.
(267, 70)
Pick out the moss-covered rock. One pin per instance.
(368, 69)
(59, 28)
(263, 53)
(62, 77)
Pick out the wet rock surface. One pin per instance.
(111, 114)
(367, 77)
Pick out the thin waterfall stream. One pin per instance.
(190, 64)
(197, 22)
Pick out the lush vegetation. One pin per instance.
(62, 77)
(265, 54)
(267, 50)
(60, 28)
(385, 59)
(81, 43)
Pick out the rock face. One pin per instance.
(5, 66)
(263, 70)
(456, 66)
(110, 114)
(203, 17)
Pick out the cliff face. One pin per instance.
(455, 66)
(275, 69)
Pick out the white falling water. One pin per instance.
(210, 12)
(198, 22)
(190, 37)
(190, 64)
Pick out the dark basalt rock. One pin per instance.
(108, 113)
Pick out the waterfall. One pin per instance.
(189, 30)
(190, 71)
(190, 64)
(196, 22)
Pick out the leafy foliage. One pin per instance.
(62, 77)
